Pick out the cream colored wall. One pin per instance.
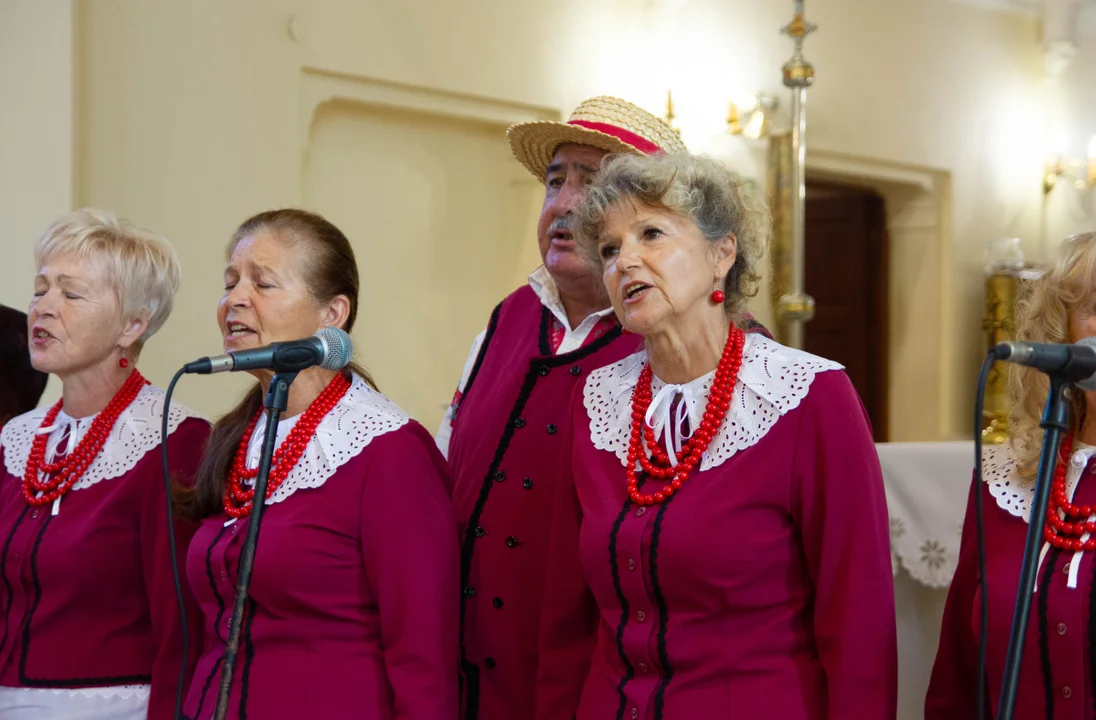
(191, 113)
(1067, 210)
(36, 135)
(188, 124)
(431, 273)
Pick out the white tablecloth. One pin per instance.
(927, 486)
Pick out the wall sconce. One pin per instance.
(1081, 172)
(753, 119)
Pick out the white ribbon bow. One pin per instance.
(75, 428)
(662, 418)
(71, 438)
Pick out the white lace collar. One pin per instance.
(362, 415)
(772, 382)
(1011, 493)
(1015, 497)
(136, 432)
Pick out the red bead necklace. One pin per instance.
(658, 465)
(1065, 533)
(238, 499)
(62, 474)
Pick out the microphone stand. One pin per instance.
(1055, 422)
(277, 397)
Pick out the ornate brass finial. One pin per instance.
(797, 71)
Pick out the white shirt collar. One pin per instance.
(544, 285)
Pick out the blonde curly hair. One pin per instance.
(693, 186)
(1042, 315)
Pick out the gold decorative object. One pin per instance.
(998, 324)
(670, 117)
(1006, 273)
(780, 190)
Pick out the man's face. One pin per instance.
(571, 169)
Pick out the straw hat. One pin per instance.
(609, 123)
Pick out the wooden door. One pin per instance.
(846, 274)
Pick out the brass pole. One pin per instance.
(796, 307)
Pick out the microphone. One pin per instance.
(1075, 363)
(330, 348)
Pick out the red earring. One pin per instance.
(718, 297)
(123, 362)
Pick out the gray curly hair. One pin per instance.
(693, 186)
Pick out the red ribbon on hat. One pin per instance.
(639, 142)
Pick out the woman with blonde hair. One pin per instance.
(90, 626)
(1056, 673)
(721, 551)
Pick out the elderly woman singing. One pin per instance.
(353, 608)
(722, 552)
(89, 624)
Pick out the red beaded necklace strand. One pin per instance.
(1065, 533)
(238, 498)
(62, 474)
(658, 465)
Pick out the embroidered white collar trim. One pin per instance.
(772, 381)
(361, 416)
(136, 432)
(1013, 496)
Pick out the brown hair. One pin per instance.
(330, 270)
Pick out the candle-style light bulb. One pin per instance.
(1092, 161)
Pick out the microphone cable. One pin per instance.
(171, 544)
(983, 629)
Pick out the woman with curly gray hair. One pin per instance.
(722, 551)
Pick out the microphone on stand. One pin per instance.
(1064, 365)
(330, 348)
(1074, 363)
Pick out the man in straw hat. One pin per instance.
(508, 422)
(505, 431)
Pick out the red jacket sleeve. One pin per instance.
(841, 508)
(409, 544)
